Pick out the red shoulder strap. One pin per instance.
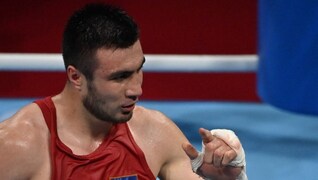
(49, 113)
(48, 110)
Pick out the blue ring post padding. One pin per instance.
(288, 54)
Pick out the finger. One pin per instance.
(228, 157)
(222, 155)
(228, 136)
(190, 150)
(206, 135)
(232, 140)
(209, 149)
(195, 156)
(218, 157)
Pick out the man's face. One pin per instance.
(116, 86)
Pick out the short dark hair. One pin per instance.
(92, 27)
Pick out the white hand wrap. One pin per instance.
(232, 140)
(197, 162)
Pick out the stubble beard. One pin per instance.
(95, 103)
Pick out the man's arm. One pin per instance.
(218, 155)
(21, 147)
(177, 164)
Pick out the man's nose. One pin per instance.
(134, 89)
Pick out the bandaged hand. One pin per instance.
(222, 155)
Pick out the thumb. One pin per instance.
(190, 150)
(206, 135)
(195, 156)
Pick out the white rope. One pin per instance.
(154, 63)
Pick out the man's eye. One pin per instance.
(122, 76)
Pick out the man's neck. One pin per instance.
(76, 127)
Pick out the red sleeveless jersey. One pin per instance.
(117, 158)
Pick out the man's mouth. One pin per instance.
(127, 108)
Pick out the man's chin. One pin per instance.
(125, 117)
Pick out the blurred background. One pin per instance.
(245, 65)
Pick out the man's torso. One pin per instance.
(64, 160)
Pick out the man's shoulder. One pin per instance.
(162, 134)
(154, 119)
(144, 111)
(163, 142)
(151, 115)
(23, 127)
(23, 143)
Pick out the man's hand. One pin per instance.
(222, 155)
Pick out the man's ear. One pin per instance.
(74, 76)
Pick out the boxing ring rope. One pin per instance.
(154, 63)
(191, 77)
